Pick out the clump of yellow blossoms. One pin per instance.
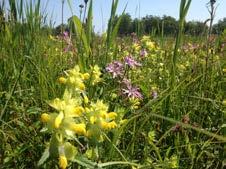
(148, 43)
(75, 116)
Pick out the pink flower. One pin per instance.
(65, 34)
(115, 68)
(68, 41)
(154, 94)
(131, 62)
(143, 53)
(131, 91)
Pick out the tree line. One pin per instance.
(155, 25)
(166, 25)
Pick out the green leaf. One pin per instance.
(70, 151)
(80, 32)
(110, 26)
(116, 27)
(168, 152)
(151, 136)
(83, 161)
(44, 157)
(89, 23)
(117, 163)
(53, 148)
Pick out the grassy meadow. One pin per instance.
(82, 100)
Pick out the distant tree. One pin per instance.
(151, 24)
(125, 26)
(195, 28)
(220, 26)
(137, 26)
(57, 30)
(170, 25)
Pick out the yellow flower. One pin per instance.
(99, 106)
(89, 153)
(224, 70)
(150, 45)
(86, 99)
(75, 71)
(45, 117)
(85, 76)
(95, 74)
(224, 102)
(81, 86)
(72, 79)
(136, 46)
(182, 67)
(145, 38)
(123, 121)
(112, 125)
(58, 120)
(78, 128)
(103, 114)
(125, 53)
(51, 37)
(154, 88)
(104, 124)
(78, 110)
(113, 95)
(62, 80)
(112, 115)
(87, 109)
(58, 104)
(174, 162)
(92, 119)
(108, 125)
(62, 162)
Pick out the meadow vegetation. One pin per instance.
(70, 98)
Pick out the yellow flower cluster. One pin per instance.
(62, 162)
(135, 103)
(75, 115)
(98, 115)
(75, 79)
(136, 47)
(148, 44)
(96, 73)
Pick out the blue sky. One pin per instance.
(136, 8)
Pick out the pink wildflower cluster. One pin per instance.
(131, 91)
(116, 68)
(67, 39)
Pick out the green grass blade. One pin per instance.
(89, 23)
(80, 32)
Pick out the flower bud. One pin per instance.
(45, 117)
(81, 86)
(86, 99)
(62, 80)
(78, 110)
(85, 76)
(224, 102)
(62, 162)
(78, 128)
(112, 115)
